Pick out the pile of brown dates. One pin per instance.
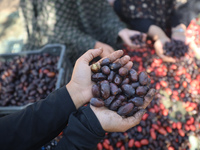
(175, 48)
(27, 79)
(118, 88)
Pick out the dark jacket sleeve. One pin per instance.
(83, 132)
(39, 123)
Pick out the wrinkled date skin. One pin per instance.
(141, 90)
(128, 90)
(126, 109)
(105, 89)
(97, 102)
(138, 101)
(121, 90)
(96, 90)
(143, 78)
(115, 105)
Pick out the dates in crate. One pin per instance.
(27, 79)
(119, 89)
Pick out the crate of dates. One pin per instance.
(119, 89)
(29, 76)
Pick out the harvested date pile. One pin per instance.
(26, 79)
(138, 40)
(155, 132)
(180, 81)
(175, 48)
(118, 88)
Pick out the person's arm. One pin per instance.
(84, 131)
(37, 124)
(160, 38)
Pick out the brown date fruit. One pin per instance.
(137, 101)
(133, 111)
(125, 81)
(105, 89)
(97, 102)
(105, 70)
(123, 71)
(135, 85)
(98, 77)
(115, 66)
(121, 97)
(105, 61)
(128, 90)
(95, 67)
(117, 79)
(133, 75)
(141, 90)
(143, 78)
(96, 90)
(115, 105)
(126, 109)
(109, 100)
(111, 76)
(114, 89)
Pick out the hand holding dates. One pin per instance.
(122, 89)
(80, 84)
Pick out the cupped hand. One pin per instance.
(112, 122)
(158, 45)
(80, 85)
(107, 49)
(126, 34)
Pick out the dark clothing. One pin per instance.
(76, 23)
(186, 12)
(140, 15)
(147, 12)
(39, 123)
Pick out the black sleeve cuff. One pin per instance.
(84, 131)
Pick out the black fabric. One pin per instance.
(83, 132)
(186, 12)
(39, 123)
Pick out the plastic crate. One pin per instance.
(64, 68)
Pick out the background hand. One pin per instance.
(107, 49)
(158, 45)
(125, 35)
(80, 85)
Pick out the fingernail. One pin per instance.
(100, 48)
